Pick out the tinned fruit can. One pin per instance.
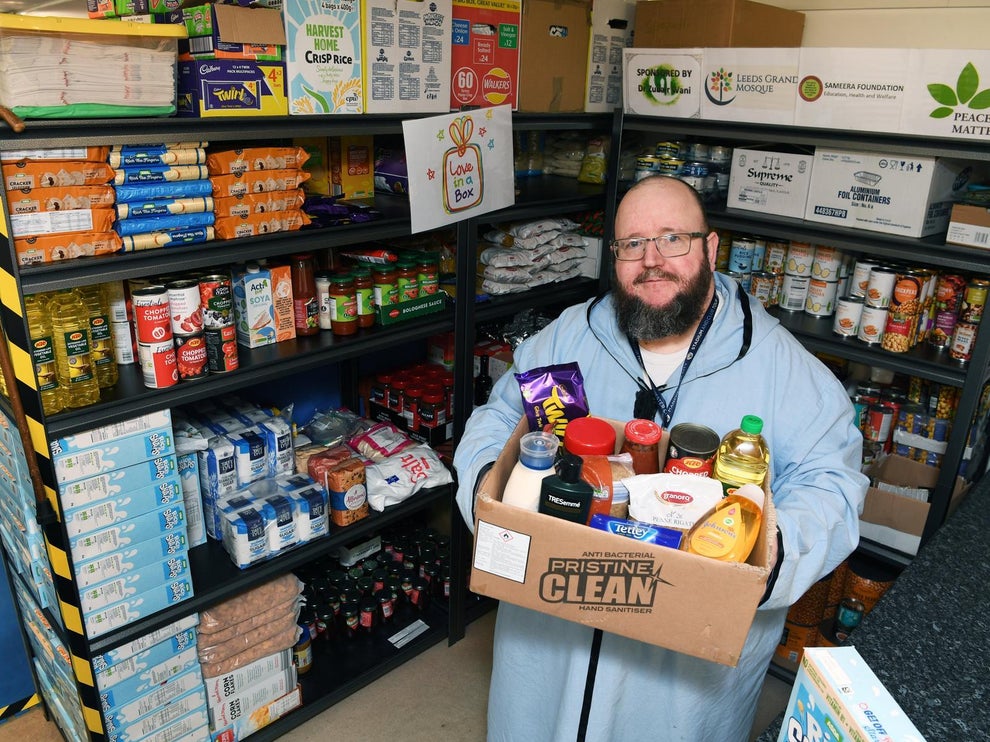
(800, 257)
(820, 300)
(191, 356)
(793, 292)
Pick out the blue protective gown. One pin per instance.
(643, 692)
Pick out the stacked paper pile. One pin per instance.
(64, 67)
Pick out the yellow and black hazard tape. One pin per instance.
(13, 709)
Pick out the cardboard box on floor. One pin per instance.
(666, 23)
(553, 55)
(684, 602)
(896, 520)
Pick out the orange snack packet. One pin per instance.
(259, 203)
(261, 182)
(256, 159)
(29, 174)
(48, 248)
(60, 198)
(232, 227)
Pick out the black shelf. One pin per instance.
(742, 134)
(816, 334)
(544, 195)
(342, 667)
(216, 578)
(130, 397)
(565, 293)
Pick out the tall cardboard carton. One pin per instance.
(323, 65)
(666, 23)
(611, 32)
(554, 55)
(484, 55)
(861, 89)
(946, 94)
(662, 82)
(756, 85)
(406, 51)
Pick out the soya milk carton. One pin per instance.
(323, 56)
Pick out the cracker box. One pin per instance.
(769, 181)
(756, 85)
(716, 23)
(836, 696)
(851, 89)
(323, 64)
(611, 32)
(663, 82)
(484, 63)
(406, 50)
(659, 595)
(553, 60)
(218, 88)
(910, 196)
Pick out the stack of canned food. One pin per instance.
(703, 166)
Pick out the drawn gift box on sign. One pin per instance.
(463, 179)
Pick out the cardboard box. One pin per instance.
(484, 55)
(842, 88)
(663, 82)
(701, 607)
(389, 315)
(611, 32)
(757, 85)
(352, 166)
(323, 62)
(666, 23)
(406, 47)
(893, 519)
(969, 225)
(553, 52)
(231, 87)
(837, 696)
(911, 197)
(234, 24)
(946, 117)
(771, 182)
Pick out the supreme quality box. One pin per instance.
(684, 602)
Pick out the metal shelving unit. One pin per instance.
(816, 333)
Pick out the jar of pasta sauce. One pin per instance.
(642, 442)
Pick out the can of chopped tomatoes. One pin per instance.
(190, 356)
(185, 307)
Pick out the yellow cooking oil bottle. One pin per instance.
(101, 347)
(743, 456)
(730, 529)
(70, 330)
(43, 353)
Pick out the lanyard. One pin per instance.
(667, 410)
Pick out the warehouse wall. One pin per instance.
(919, 24)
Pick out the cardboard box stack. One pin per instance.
(231, 65)
(163, 195)
(60, 203)
(245, 653)
(151, 688)
(553, 55)
(121, 503)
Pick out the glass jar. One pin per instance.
(343, 305)
(408, 280)
(364, 288)
(428, 275)
(385, 285)
(410, 406)
(322, 279)
(642, 441)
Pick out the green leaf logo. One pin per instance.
(966, 92)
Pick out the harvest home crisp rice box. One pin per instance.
(684, 602)
(323, 64)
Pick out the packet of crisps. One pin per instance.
(553, 396)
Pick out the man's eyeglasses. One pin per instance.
(670, 245)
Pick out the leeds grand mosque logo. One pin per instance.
(719, 86)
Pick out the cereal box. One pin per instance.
(323, 64)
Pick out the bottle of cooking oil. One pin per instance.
(70, 331)
(101, 349)
(43, 353)
(743, 456)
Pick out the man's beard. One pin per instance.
(641, 321)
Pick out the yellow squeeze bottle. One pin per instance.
(729, 530)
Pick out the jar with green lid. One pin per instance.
(364, 288)
(429, 275)
(385, 285)
(408, 279)
(343, 305)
